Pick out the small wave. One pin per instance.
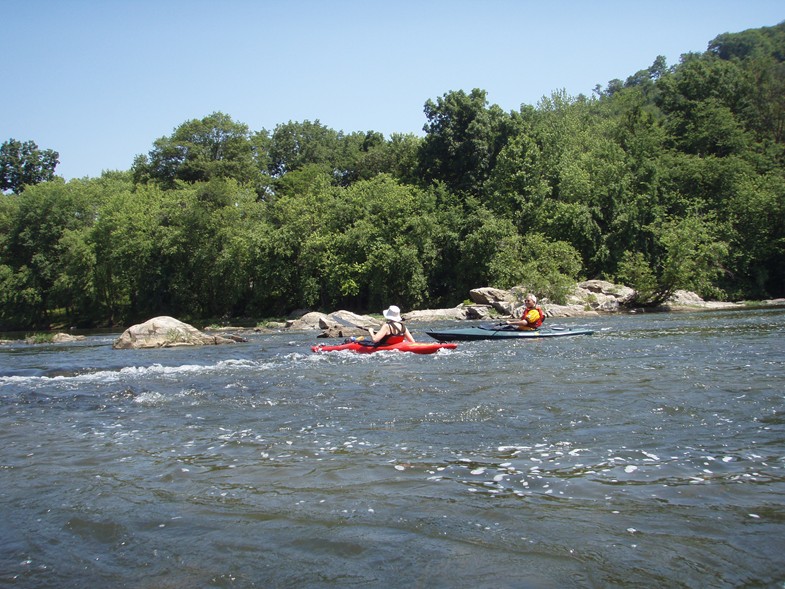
(123, 373)
(150, 399)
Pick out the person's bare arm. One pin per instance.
(376, 337)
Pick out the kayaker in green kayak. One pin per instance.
(392, 332)
(532, 316)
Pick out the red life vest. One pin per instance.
(539, 321)
(396, 336)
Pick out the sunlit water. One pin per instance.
(650, 454)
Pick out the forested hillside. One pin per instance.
(672, 178)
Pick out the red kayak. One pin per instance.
(367, 348)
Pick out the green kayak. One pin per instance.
(503, 331)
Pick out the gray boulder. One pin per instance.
(58, 338)
(488, 295)
(343, 324)
(64, 338)
(601, 295)
(436, 314)
(481, 312)
(165, 332)
(334, 325)
(309, 321)
(684, 299)
(504, 301)
(349, 319)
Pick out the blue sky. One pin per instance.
(100, 80)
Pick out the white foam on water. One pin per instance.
(108, 376)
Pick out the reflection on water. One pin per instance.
(648, 454)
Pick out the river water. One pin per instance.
(650, 454)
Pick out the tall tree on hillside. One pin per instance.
(707, 101)
(747, 44)
(464, 137)
(22, 164)
(762, 53)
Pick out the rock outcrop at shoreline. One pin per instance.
(590, 298)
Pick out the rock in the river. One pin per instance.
(458, 312)
(165, 332)
(64, 338)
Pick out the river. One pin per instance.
(650, 454)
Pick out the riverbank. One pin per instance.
(591, 298)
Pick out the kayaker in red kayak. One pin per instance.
(392, 332)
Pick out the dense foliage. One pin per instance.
(673, 178)
(24, 164)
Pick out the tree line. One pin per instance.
(672, 178)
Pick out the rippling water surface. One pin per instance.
(650, 454)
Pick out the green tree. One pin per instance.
(484, 235)
(216, 273)
(756, 217)
(74, 288)
(463, 139)
(124, 243)
(399, 157)
(365, 155)
(23, 164)
(635, 271)
(748, 44)
(691, 257)
(282, 281)
(579, 183)
(21, 301)
(760, 54)
(367, 244)
(706, 100)
(202, 149)
(542, 266)
(518, 184)
(404, 251)
(294, 145)
(561, 128)
(767, 115)
(39, 233)
(359, 156)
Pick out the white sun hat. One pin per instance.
(392, 314)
